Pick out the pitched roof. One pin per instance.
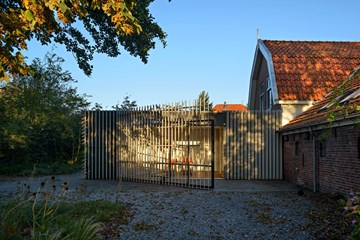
(308, 70)
(318, 113)
(229, 107)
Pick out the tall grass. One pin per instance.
(44, 214)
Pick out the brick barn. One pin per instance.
(326, 157)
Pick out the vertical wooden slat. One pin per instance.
(241, 145)
(231, 169)
(228, 141)
(120, 129)
(86, 144)
(273, 146)
(202, 170)
(97, 135)
(248, 145)
(148, 166)
(107, 145)
(256, 152)
(117, 146)
(129, 167)
(258, 169)
(233, 145)
(281, 174)
(263, 146)
(253, 134)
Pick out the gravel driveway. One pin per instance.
(162, 212)
(215, 215)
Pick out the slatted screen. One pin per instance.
(252, 146)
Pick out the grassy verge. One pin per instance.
(47, 214)
(81, 220)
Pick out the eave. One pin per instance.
(339, 122)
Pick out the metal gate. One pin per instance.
(170, 145)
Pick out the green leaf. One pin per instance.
(29, 15)
(63, 7)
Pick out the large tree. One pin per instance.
(108, 24)
(41, 115)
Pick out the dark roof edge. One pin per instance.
(310, 41)
(321, 125)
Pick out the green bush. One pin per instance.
(41, 116)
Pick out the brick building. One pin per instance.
(292, 76)
(298, 78)
(322, 157)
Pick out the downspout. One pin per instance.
(315, 184)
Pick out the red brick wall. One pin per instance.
(338, 171)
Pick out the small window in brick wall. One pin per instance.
(322, 148)
(359, 148)
(297, 148)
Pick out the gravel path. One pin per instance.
(178, 213)
(215, 215)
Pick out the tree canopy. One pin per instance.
(126, 104)
(41, 115)
(204, 101)
(108, 24)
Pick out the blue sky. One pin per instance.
(210, 46)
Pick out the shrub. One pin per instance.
(36, 216)
(352, 207)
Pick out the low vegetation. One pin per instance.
(330, 218)
(45, 214)
(351, 206)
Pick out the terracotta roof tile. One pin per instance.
(307, 70)
(229, 107)
(316, 115)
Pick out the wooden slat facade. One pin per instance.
(171, 145)
(101, 150)
(175, 144)
(252, 145)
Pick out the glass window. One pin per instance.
(262, 88)
(270, 98)
(268, 83)
(262, 100)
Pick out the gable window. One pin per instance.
(269, 94)
(262, 98)
(270, 99)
